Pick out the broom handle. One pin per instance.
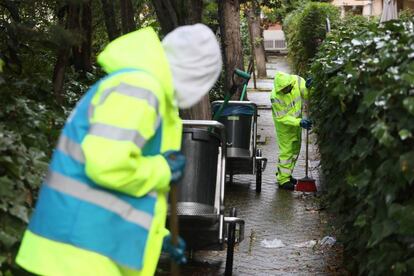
(175, 269)
(307, 151)
(307, 140)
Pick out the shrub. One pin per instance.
(305, 29)
(363, 106)
(30, 122)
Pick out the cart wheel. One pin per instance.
(231, 240)
(258, 172)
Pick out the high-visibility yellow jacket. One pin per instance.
(103, 205)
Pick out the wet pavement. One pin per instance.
(295, 219)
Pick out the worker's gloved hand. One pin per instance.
(176, 161)
(176, 252)
(306, 124)
(308, 82)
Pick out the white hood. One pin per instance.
(195, 60)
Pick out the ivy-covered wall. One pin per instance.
(363, 107)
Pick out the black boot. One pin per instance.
(287, 186)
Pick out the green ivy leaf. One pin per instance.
(381, 132)
(6, 186)
(3, 259)
(7, 240)
(369, 97)
(361, 220)
(404, 215)
(20, 212)
(409, 104)
(405, 134)
(380, 231)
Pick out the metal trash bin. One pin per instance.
(240, 121)
(237, 118)
(197, 187)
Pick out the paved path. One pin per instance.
(291, 217)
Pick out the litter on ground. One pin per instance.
(276, 243)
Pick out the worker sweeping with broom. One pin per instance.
(103, 205)
(288, 101)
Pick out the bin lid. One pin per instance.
(234, 109)
(201, 134)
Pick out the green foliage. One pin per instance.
(406, 14)
(30, 122)
(277, 10)
(31, 116)
(210, 15)
(245, 36)
(217, 92)
(363, 106)
(305, 29)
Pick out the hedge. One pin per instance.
(305, 29)
(363, 107)
(30, 121)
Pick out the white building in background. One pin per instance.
(368, 7)
(274, 39)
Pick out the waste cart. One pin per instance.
(200, 207)
(243, 156)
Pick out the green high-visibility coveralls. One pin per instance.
(287, 114)
(103, 206)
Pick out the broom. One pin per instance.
(306, 184)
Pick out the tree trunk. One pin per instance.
(13, 43)
(166, 15)
(127, 16)
(253, 16)
(200, 111)
(12, 7)
(74, 24)
(86, 49)
(72, 12)
(172, 13)
(191, 12)
(109, 17)
(229, 16)
(59, 74)
(61, 62)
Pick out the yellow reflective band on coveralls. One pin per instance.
(287, 114)
(124, 114)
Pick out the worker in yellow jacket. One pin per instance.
(288, 99)
(103, 205)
